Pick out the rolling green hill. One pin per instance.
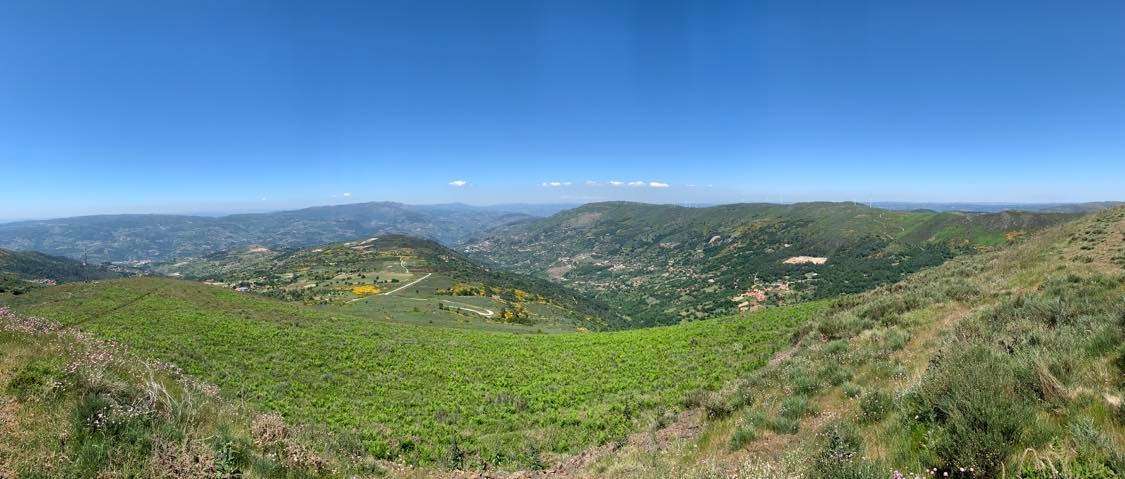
(161, 237)
(22, 270)
(659, 264)
(376, 275)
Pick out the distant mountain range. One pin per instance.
(998, 207)
(162, 237)
(660, 263)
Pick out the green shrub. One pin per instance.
(783, 425)
(887, 309)
(874, 406)
(842, 325)
(836, 347)
(834, 374)
(795, 407)
(803, 382)
(852, 390)
(976, 407)
(742, 436)
(841, 456)
(961, 291)
(896, 339)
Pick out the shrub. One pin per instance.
(852, 390)
(961, 291)
(840, 456)
(803, 382)
(795, 407)
(783, 425)
(842, 325)
(836, 348)
(976, 406)
(742, 436)
(887, 309)
(835, 374)
(896, 339)
(874, 406)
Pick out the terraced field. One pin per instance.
(456, 397)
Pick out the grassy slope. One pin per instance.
(661, 263)
(72, 406)
(1006, 363)
(411, 392)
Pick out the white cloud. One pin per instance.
(458, 183)
(347, 195)
(618, 183)
(555, 184)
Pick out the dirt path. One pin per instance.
(488, 313)
(407, 285)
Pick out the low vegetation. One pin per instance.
(421, 394)
(73, 405)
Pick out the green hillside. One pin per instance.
(659, 264)
(411, 392)
(162, 237)
(20, 271)
(378, 276)
(1004, 364)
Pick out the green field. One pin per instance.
(410, 392)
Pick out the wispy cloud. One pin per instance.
(555, 184)
(458, 183)
(347, 195)
(611, 183)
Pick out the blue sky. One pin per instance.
(205, 106)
